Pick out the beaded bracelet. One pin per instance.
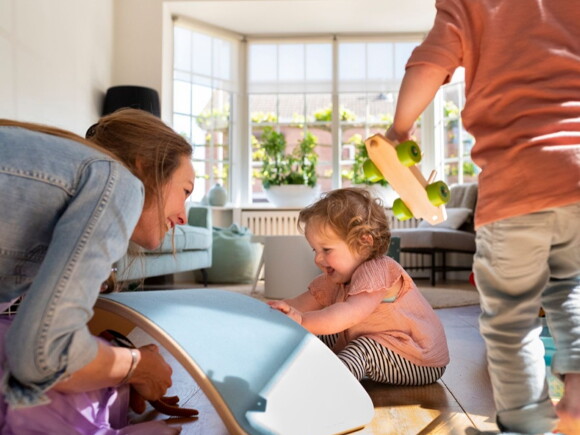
(132, 368)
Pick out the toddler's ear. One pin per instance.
(367, 241)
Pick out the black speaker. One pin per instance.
(136, 97)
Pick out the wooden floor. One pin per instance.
(460, 403)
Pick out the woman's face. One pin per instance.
(149, 231)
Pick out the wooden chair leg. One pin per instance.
(444, 265)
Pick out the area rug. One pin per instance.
(441, 297)
(438, 297)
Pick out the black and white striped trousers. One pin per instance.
(366, 358)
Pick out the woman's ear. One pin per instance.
(139, 165)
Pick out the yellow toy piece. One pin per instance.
(419, 197)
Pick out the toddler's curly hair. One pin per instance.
(351, 213)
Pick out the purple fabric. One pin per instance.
(99, 412)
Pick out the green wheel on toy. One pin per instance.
(371, 171)
(401, 211)
(438, 193)
(409, 153)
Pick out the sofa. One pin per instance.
(456, 234)
(188, 247)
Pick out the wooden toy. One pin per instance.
(262, 372)
(419, 197)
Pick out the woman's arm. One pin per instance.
(49, 337)
(151, 377)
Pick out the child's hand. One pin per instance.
(287, 309)
(399, 137)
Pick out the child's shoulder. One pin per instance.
(378, 273)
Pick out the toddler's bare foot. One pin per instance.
(568, 409)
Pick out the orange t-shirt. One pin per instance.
(407, 325)
(522, 86)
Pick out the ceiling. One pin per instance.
(310, 17)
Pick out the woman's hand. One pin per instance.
(287, 309)
(152, 376)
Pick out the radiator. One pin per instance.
(284, 223)
(271, 222)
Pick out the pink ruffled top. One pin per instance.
(404, 322)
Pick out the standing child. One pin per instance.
(365, 307)
(522, 89)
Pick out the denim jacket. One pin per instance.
(67, 212)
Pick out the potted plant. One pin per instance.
(380, 188)
(289, 179)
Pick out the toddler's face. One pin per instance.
(331, 254)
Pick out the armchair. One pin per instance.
(456, 234)
(187, 248)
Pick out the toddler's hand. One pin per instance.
(287, 309)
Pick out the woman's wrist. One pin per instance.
(132, 367)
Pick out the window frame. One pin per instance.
(240, 148)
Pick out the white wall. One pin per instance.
(137, 49)
(55, 60)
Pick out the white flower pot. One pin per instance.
(292, 195)
(385, 193)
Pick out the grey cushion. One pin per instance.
(463, 195)
(435, 238)
(455, 218)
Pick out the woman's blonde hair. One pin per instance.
(353, 214)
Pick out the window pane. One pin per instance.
(319, 107)
(351, 61)
(182, 49)
(181, 97)
(201, 99)
(380, 61)
(451, 173)
(263, 63)
(291, 108)
(263, 108)
(291, 62)
(202, 54)
(222, 59)
(199, 133)
(319, 62)
(182, 125)
(353, 107)
(382, 108)
(403, 51)
(201, 181)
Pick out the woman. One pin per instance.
(68, 209)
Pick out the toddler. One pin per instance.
(364, 306)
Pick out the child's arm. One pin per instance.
(336, 317)
(294, 307)
(418, 88)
